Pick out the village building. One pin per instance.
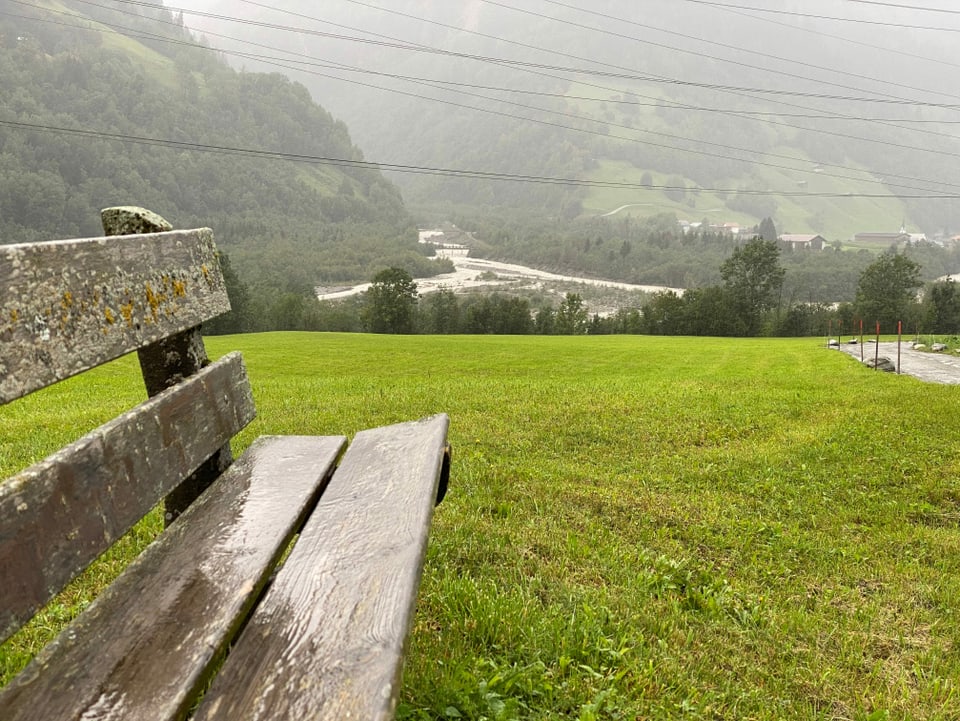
(888, 238)
(884, 238)
(792, 241)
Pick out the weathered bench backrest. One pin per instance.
(65, 307)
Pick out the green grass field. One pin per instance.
(637, 528)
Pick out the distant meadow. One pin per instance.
(636, 527)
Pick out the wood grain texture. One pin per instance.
(144, 649)
(327, 641)
(60, 514)
(66, 306)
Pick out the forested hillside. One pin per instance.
(116, 103)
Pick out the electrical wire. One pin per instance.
(905, 7)
(673, 147)
(706, 56)
(814, 16)
(432, 170)
(603, 134)
(817, 130)
(627, 75)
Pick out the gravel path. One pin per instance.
(927, 366)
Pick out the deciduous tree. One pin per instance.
(887, 289)
(391, 302)
(753, 277)
(442, 312)
(571, 315)
(943, 307)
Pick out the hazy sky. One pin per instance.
(825, 55)
(911, 47)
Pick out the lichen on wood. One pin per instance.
(66, 306)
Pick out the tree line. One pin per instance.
(748, 302)
(656, 251)
(393, 305)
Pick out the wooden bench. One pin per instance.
(220, 610)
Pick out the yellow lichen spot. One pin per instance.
(205, 271)
(179, 288)
(153, 300)
(67, 301)
(126, 310)
(108, 314)
(14, 315)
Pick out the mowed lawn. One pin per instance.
(636, 528)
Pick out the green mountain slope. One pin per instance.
(114, 103)
(813, 117)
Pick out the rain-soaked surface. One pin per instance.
(923, 364)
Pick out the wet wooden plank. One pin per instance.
(144, 649)
(169, 361)
(163, 365)
(66, 306)
(327, 641)
(60, 514)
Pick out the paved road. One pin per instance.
(927, 366)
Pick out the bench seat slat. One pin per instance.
(327, 640)
(144, 648)
(60, 514)
(66, 306)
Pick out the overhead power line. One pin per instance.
(814, 16)
(891, 122)
(902, 181)
(902, 6)
(431, 83)
(623, 75)
(841, 38)
(764, 69)
(740, 49)
(429, 170)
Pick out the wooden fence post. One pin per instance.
(169, 361)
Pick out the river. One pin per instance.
(478, 272)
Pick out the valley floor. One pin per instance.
(480, 272)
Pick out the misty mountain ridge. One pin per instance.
(680, 106)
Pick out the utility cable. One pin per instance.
(794, 13)
(429, 170)
(629, 75)
(705, 55)
(583, 130)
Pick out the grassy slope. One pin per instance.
(637, 527)
(839, 218)
(836, 218)
(156, 66)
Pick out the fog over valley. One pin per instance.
(643, 145)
